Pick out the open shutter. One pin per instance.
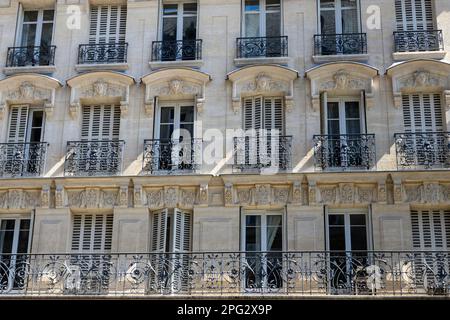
(107, 24)
(92, 232)
(18, 124)
(159, 231)
(412, 15)
(253, 113)
(181, 236)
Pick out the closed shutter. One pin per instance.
(159, 231)
(253, 113)
(92, 232)
(100, 122)
(181, 231)
(18, 124)
(263, 113)
(412, 15)
(422, 112)
(107, 24)
(431, 229)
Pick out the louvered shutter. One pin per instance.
(92, 232)
(18, 124)
(253, 113)
(100, 122)
(159, 231)
(422, 112)
(181, 231)
(431, 229)
(273, 114)
(412, 15)
(107, 24)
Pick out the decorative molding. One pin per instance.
(155, 198)
(382, 193)
(297, 192)
(60, 200)
(91, 198)
(203, 195)
(327, 194)
(45, 196)
(20, 199)
(281, 195)
(138, 196)
(228, 194)
(123, 196)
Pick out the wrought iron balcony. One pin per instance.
(337, 44)
(422, 150)
(31, 56)
(94, 158)
(22, 159)
(172, 156)
(102, 53)
(262, 153)
(420, 40)
(376, 273)
(344, 152)
(173, 50)
(256, 47)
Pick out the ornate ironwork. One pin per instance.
(335, 44)
(419, 40)
(22, 159)
(102, 53)
(349, 151)
(262, 153)
(262, 47)
(172, 50)
(379, 273)
(94, 158)
(172, 156)
(31, 56)
(428, 150)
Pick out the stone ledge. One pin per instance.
(261, 60)
(101, 66)
(340, 57)
(175, 64)
(29, 69)
(401, 56)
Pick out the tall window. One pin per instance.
(107, 24)
(37, 28)
(100, 122)
(264, 113)
(262, 18)
(92, 233)
(422, 112)
(413, 15)
(339, 16)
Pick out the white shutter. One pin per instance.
(431, 229)
(414, 15)
(264, 113)
(181, 236)
(18, 124)
(100, 122)
(422, 112)
(159, 231)
(273, 114)
(108, 24)
(92, 232)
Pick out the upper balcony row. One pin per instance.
(339, 36)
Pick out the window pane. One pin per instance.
(337, 238)
(358, 219)
(350, 21)
(30, 16)
(170, 9)
(253, 233)
(167, 115)
(187, 114)
(273, 24)
(48, 15)
(352, 110)
(28, 35)
(336, 219)
(353, 126)
(253, 220)
(327, 22)
(359, 238)
(47, 32)
(189, 28)
(190, 8)
(169, 28)
(333, 127)
(6, 236)
(333, 110)
(274, 233)
(273, 5)
(252, 25)
(327, 3)
(166, 131)
(251, 5)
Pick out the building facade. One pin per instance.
(183, 147)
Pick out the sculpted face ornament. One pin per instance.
(263, 82)
(341, 79)
(421, 78)
(175, 86)
(100, 88)
(26, 90)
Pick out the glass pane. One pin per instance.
(348, 4)
(352, 110)
(333, 127)
(359, 238)
(37, 119)
(327, 22)
(357, 219)
(169, 28)
(333, 110)
(350, 21)
(190, 8)
(30, 16)
(252, 25)
(274, 233)
(167, 115)
(6, 236)
(48, 15)
(189, 28)
(251, 5)
(327, 3)
(253, 233)
(35, 135)
(273, 24)
(353, 126)
(170, 9)
(24, 233)
(336, 220)
(273, 5)
(47, 32)
(165, 131)
(337, 238)
(187, 114)
(28, 35)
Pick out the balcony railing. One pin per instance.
(172, 156)
(338, 44)
(375, 273)
(344, 152)
(22, 159)
(102, 53)
(421, 40)
(173, 50)
(94, 158)
(423, 150)
(257, 47)
(31, 56)
(262, 153)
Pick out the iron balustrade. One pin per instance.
(31, 56)
(22, 159)
(264, 152)
(94, 158)
(419, 40)
(166, 156)
(422, 150)
(172, 50)
(347, 151)
(312, 273)
(102, 53)
(338, 44)
(256, 47)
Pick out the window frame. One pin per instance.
(341, 100)
(176, 124)
(262, 18)
(338, 16)
(180, 18)
(39, 24)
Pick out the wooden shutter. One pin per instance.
(253, 113)
(181, 231)
(18, 124)
(100, 122)
(108, 24)
(431, 229)
(273, 114)
(159, 231)
(92, 232)
(263, 113)
(422, 112)
(414, 15)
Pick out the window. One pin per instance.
(262, 241)
(422, 112)
(264, 113)
(92, 233)
(412, 15)
(339, 16)
(262, 18)
(14, 245)
(100, 122)
(37, 28)
(108, 24)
